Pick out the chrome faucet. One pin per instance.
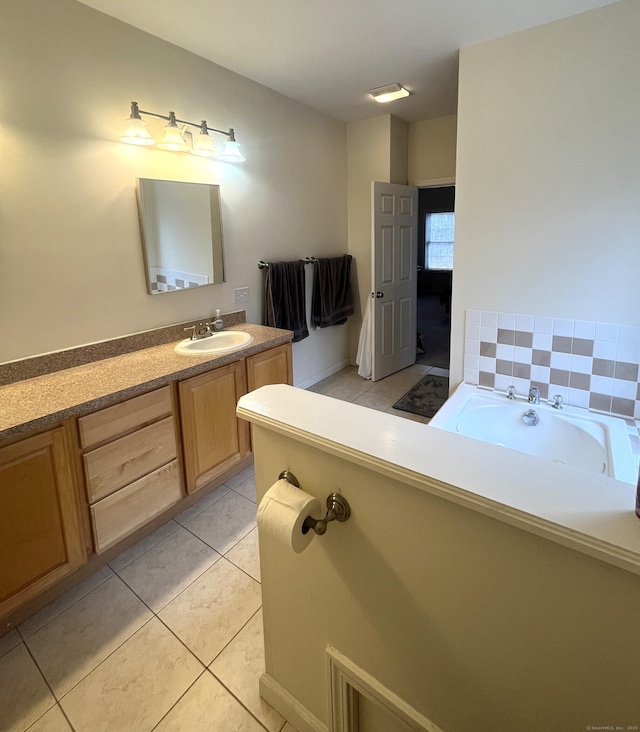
(557, 402)
(511, 392)
(534, 395)
(201, 330)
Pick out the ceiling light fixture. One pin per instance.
(389, 92)
(173, 136)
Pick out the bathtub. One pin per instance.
(572, 436)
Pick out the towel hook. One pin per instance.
(338, 508)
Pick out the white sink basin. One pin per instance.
(226, 340)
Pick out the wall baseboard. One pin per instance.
(323, 374)
(288, 706)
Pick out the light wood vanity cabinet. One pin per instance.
(270, 367)
(213, 439)
(41, 538)
(130, 464)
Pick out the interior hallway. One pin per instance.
(168, 636)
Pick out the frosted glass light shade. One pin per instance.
(231, 153)
(137, 133)
(173, 140)
(388, 93)
(203, 146)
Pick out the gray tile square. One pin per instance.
(559, 377)
(522, 370)
(603, 367)
(601, 402)
(622, 406)
(487, 379)
(541, 358)
(580, 381)
(582, 347)
(524, 339)
(626, 371)
(561, 344)
(544, 389)
(488, 349)
(508, 337)
(504, 367)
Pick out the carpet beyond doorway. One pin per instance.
(425, 397)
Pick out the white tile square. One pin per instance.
(629, 334)
(473, 317)
(540, 374)
(606, 332)
(503, 382)
(208, 614)
(525, 323)
(542, 341)
(24, 695)
(605, 349)
(581, 364)
(507, 321)
(624, 389)
(602, 385)
(543, 324)
(505, 352)
(471, 361)
(522, 385)
(471, 376)
(561, 361)
(522, 354)
(472, 346)
(584, 329)
(489, 334)
(563, 391)
(579, 398)
(489, 319)
(487, 364)
(627, 352)
(563, 327)
(164, 571)
(71, 645)
(473, 332)
(225, 522)
(136, 685)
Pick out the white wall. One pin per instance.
(548, 173)
(71, 267)
(432, 151)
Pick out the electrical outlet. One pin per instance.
(241, 294)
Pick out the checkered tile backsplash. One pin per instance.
(591, 365)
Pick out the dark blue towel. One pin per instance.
(284, 298)
(332, 299)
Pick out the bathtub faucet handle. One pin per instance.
(511, 392)
(557, 401)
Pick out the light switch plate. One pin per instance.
(241, 294)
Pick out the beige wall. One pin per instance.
(377, 150)
(476, 624)
(71, 268)
(547, 177)
(432, 151)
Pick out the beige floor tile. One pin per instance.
(203, 503)
(240, 666)
(246, 555)
(8, 641)
(164, 571)
(241, 476)
(247, 488)
(24, 695)
(72, 644)
(53, 609)
(135, 686)
(344, 391)
(289, 728)
(374, 401)
(137, 550)
(224, 523)
(53, 721)
(212, 610)
(208, 706)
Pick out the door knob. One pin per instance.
(379, 295)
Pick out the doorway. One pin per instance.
(435, 273)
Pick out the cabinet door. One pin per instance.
(40, 536)
(270, 367)
(213, 439)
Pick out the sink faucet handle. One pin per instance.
(191, 328)
(557, 401)
(511, 392)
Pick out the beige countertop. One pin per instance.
(45, 400)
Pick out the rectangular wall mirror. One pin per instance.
(181, 228)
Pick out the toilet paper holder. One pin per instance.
(338, 508)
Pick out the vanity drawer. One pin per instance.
(120, 418)
(115, 465)
(121, 513)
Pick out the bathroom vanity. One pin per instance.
(94, 456)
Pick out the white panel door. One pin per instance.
(394, 276)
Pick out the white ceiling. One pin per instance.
(328, 53)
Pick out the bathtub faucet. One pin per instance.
(534, 395)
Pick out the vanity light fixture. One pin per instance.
(389, 92)
(174, 136)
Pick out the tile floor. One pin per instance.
(168, 636)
